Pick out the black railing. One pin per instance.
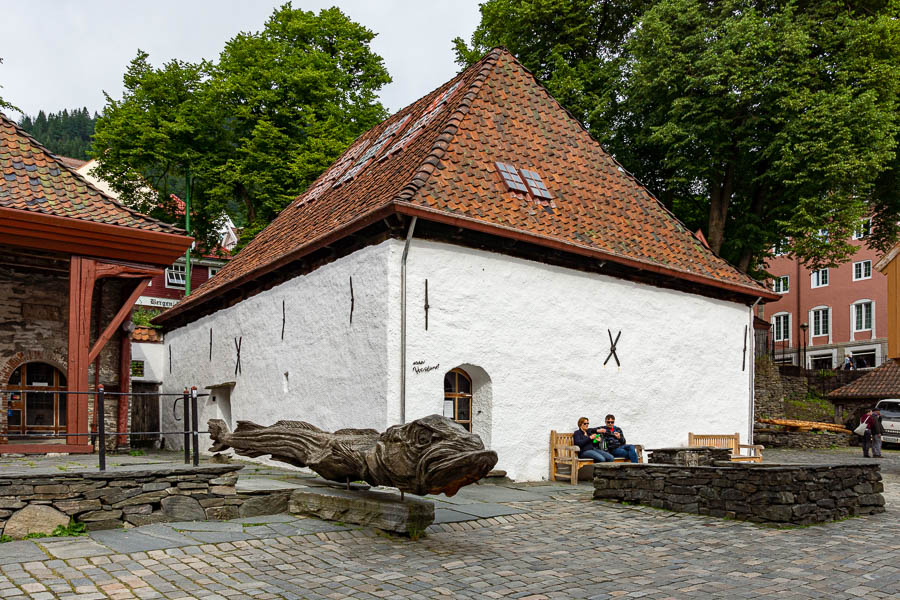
(191, 418)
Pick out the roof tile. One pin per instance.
(35, 180)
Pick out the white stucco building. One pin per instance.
(474, 255)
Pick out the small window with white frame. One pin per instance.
(781, 323)
(861, 318)
(863, 229)
(819, 278)
(781, 285)
(862, 270)
(213, 271)
(820, 321)
(175, 276)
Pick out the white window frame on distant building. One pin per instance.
(854, 351)
(781, 327)
(857, 312)
(863, 230)
(782, 284)
(818, 278)
(830, 354)
(175, 276)
(862, 270)
(820, 322)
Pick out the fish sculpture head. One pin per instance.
(432, 455)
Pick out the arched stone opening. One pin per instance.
(481, 400)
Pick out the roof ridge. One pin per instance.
(90, 185)
(443, 139)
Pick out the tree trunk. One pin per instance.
(248, 203)
(719, 199)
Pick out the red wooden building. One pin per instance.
(73, 262)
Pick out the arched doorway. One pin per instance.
(37, 401)
(458, 397)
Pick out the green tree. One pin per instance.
(255, 128)
(64, 133)
(761, 122)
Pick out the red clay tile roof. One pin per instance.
(883, 382)
(146, 334)
(496, 111)
(33, 179)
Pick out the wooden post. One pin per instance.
(124, 387)
(82, 272)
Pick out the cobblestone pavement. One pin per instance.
(561, 545)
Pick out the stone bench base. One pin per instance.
(374, 509)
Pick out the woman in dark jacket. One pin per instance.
(584, 439)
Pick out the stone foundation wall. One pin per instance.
(129, 498)
(796, 439)
(780, 494)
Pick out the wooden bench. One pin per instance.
(564, 453)
(730, 441)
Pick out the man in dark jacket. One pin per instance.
(877, 432)
(614, 438)
(584, 438)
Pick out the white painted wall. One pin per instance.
(540, 334)
(534, 338)
(325, 371)
(152, 355)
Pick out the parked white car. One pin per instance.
(890, 418)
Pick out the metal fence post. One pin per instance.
(187, 429)
(194, 425)
(101, 426)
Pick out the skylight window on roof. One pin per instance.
(373, 150)
(333, 173)
(511, 177)
(535, 184)
(433, 109)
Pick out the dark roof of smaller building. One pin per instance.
(35, 180)
(72, 163)
(883, 382)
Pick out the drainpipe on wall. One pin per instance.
(752, 359)
(409, 235)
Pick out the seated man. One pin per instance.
(584, 439)
(615, 440)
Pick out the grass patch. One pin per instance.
(136, 452)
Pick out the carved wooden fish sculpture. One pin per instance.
(432, 455)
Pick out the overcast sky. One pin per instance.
(64, 53)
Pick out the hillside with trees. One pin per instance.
(64, 133)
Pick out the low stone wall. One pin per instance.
(771, 438)
(782, 494)
(135, 497)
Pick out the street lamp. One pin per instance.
(803, 328)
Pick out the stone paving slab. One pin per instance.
(220, 526)
(79, 547)
(263, 484)
(448, 515)
(21, 551)
(486, 510)
(140, 539)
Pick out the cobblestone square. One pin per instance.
(555, 542)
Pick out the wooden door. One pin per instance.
(144, 413)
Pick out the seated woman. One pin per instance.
(584, 439)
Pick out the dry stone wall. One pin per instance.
(778, 494)
(106, 500)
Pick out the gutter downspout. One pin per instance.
(752, 359)
(409, 235)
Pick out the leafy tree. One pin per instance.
(64, 133)
(761, 122)
(255, 128)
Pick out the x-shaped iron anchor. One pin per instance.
(612, 348)
(237, 346)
